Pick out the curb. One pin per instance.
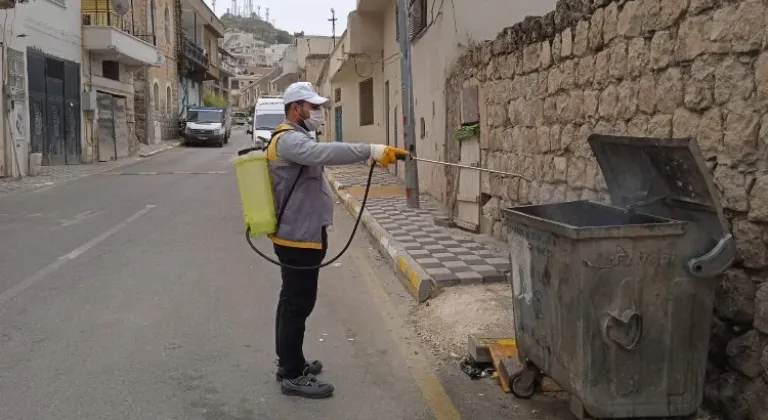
(164, 149)
(418, 283)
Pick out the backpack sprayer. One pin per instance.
(254, 182)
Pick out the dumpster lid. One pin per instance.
(663, 177)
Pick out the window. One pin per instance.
(366, 102)
(337, 95)
(110, 69)
(423, 127)
(235, 84)
(167, 26)
(417, 18)
(168, 100)
(156, 96)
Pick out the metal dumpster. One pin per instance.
(614, 303)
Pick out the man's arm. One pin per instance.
(296, 147)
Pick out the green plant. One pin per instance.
(211, 99)
(467, 131)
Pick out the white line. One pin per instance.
(50, 268)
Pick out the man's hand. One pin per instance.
(386, 155)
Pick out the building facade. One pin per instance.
(363, 72)
(114, 48)
(43, 57)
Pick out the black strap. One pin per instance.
(295, 182)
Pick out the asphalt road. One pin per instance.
(135, 297)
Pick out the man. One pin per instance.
(305, 209)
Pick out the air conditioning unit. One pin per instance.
(7, 4)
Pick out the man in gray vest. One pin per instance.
(305, 209)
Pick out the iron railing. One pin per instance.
(196, 53)
(115, 20)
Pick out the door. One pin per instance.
(107, 144)
(54, 108)
(120, 119)
(54, 151)
(399, 165)
(468, 199)
(337, 121)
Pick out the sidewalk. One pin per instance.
(50, 175)
(424, 255)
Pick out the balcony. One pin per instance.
(376, 6)
(111, 34)
(7, 4)
(365, 33)
(200, 68)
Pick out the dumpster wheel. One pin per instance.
(525, 383)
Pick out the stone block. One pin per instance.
(744, 353)
(554, 137)
(647, 94)
(573, 107)
(550, 110)
(735, 297)
(627, 100)
(662, 50)
(590, 103)
(739, 27)
(581, 39)
(572, 194)
(568, 136)
(637, 57)
(693, 38)
(618, 61)
(595, 40)
(700, 84)
(761, 75)
(650, 14)
(543, 142)
(710, 134)
(750, 242)
(557, 48)
(669, 91)
(660, 126)
(733, 188)
(685, 123)
(586, 71)
(758, 200)
(546, 55)
(568, 74)
(671, 12)
(608, 102)
(638, 126)
(761, 312)
(602, 68)
(532, 112)
(497, 116)
(576, 175)
(733, 80)
(567, 38)
(742, 126)
(531, 58)
(610, 20)
(698, 6)
(560, 168)
(630, 21)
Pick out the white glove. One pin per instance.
(377, 151)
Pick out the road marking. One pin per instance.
(433, 391)
(52, 267)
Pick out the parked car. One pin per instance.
(207, 125)
(240, 118)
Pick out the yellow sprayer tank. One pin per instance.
(255, 186)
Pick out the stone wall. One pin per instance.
(661, 68)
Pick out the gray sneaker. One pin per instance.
(307, 386)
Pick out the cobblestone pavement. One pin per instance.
(50, 175)
(448, 256)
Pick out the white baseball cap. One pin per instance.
(303, 91)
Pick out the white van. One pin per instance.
(268, 113)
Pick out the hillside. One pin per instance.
(262, 29)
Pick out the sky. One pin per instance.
(310, 16)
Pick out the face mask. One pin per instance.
(316, 119)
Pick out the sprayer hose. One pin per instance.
(343, 250)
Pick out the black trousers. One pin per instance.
(297, 300)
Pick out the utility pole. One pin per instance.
(409, 128)
(333, 25)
